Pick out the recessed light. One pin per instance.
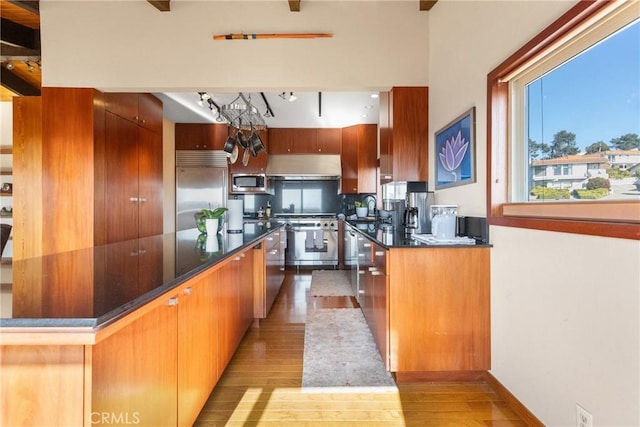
(368, 107)
(364, 116)
(375, 95)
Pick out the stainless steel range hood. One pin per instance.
(304, 166)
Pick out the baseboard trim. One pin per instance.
(517, 406)
(426, 376)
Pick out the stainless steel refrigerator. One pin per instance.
(201, 182)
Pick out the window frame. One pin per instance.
(620, 219)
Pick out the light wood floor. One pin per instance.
(262, 384)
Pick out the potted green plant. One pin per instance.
(210, 220)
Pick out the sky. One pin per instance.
(596, 96)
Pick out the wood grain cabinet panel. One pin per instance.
(439, 318)
(305, 141)
(197, 346)
(404, 134)
(281, 141)
(329, 141)
(200, 136)
(134, 371)
(359, 163)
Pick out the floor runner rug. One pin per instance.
(339, 351)
(326, 283)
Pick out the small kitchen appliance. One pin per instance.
(443, 221)
(418, 206)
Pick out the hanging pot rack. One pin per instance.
(241, 114)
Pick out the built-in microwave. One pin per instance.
(249, 183)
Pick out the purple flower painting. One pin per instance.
(454, 152)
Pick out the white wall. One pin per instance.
(565, 308)
(131, 46)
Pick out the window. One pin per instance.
(555, 151)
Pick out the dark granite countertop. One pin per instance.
(390, 237)
(95, 286)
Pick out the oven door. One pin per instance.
(312, 247)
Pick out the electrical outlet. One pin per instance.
(583, 417)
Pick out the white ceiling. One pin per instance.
(338, 109)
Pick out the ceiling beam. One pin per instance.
(17, 85)
(8, 53)
(161, 5)
(15, 34)
(427, 4)
(294, 5)
(32, 6)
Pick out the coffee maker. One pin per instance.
(418, 208)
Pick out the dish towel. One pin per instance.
(319, 239)
(309, 241)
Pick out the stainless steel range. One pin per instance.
(312, 239)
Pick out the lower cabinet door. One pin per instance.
(197, 352)
(134, 371)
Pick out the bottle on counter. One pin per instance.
(267, 212)
(261, 212)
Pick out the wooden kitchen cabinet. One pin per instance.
(329, 141)
(439, 317)
(305, 141)
(72, 141)
(197, 345)
(134, 370)
(404, 134)
(141, 108)
(280, 141)
(359, 163)
(199, 136)
(132, 182)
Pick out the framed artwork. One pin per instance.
(455, 152)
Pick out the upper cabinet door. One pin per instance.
(280, 141)
(124, 105)
(150, 112)
(304, 141)
(196, 136)
(329, 141)
(404, 134)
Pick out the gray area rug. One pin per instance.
(339, 351)
(327, 283)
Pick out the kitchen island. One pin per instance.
(427, 305)
(136, 332)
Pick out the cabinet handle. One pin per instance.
(133, 199)
(361, 255)
(273, 252)
(188, 291)
(172, 301)
(373, 269)
(376, 273)
(379, 253)
(237, 258)
(367, 245)
(355, 189)
(360, 271)
(142, 251)
(270, 238)
(387, 177)
(143, 121)
(143, 199)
